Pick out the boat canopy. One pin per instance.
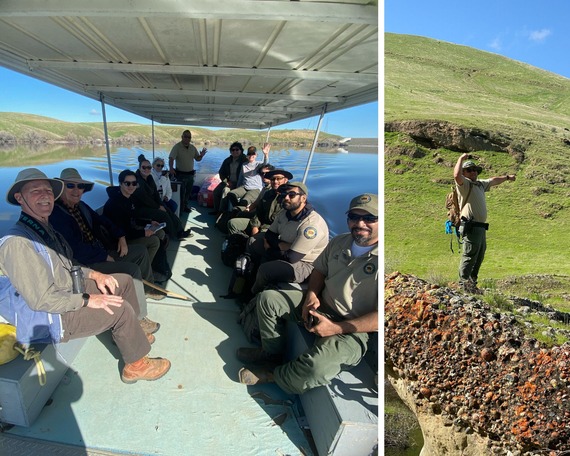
(218, 63)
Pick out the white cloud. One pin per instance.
(539, 35)
(496, 44)
(94, 112)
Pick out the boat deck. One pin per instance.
(198, 408)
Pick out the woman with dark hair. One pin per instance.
(120, 209)
(229, 174)
(148, 204)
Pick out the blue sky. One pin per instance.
(536, 33)
(28, 95)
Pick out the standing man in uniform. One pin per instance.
(474, 217)
(293, 241)
(184, 154)
(340, 307)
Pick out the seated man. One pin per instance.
(340, 307)
(264, 209)
(83, 229)
(37, 260)
(293, 241)
(250, 182)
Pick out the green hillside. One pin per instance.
(520, 115)
(29, 128)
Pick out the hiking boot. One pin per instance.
(145, 369)
(149, 326)
(256, 355)
(150, 338)
(255, 376)
(184, 234)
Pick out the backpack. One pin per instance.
(242, 279)
(233, 246)
(453, 221)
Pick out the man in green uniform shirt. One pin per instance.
(340, 307)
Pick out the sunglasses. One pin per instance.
(291, 195)
(273, 179)
(187, 137)
(146, 167)
(129, 183)
(158, 165)
(357, 218)
(471, 170)
(79, 186)
(235, 150)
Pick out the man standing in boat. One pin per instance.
(184, 154)
(293, 241)
(65, 301)
(340, 307)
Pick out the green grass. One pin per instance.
(427, 79)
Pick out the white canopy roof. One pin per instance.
(219, 63)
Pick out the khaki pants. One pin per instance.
(124, 325)
(320, 363)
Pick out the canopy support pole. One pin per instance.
(152, 124)
(315, 140)
(268, 131)
(102, 98)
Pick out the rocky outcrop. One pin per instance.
(476, 382)
(435, 134)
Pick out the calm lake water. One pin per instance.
(333, 180)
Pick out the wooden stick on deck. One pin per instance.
(165, 291)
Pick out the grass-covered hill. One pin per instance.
(29, 128)
(442, 100)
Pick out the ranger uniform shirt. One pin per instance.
(308, 236)
(184, 157)
(351, 283)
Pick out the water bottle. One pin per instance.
(77, 280)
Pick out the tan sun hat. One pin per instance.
(72, 175)
(28, 175)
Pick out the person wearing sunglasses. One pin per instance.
(120, 209)
(100, 244)
(340, 307)
(286, 251)
(229, 173)
(257, 217)
(163, 184)
(149, 205)
(49, 305)
(184, 154)
(474, 224)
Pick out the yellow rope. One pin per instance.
(28, 354)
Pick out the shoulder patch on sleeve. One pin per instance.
(310, 232)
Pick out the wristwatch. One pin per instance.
(85, 297)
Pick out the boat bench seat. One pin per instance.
(343, 416)
(22, 398)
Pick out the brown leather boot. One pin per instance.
(145, 369)
(255, 376)
(149, 326)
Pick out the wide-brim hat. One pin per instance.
(28, 175)
(471, 164)
(296, 184)
(72, 175)
(367, 202)
(270, 174)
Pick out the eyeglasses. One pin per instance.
(129, 183)
(273, 179)
(291, 195)
(158, 165)
(146, 167)
(79, 186)
(358, 217)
